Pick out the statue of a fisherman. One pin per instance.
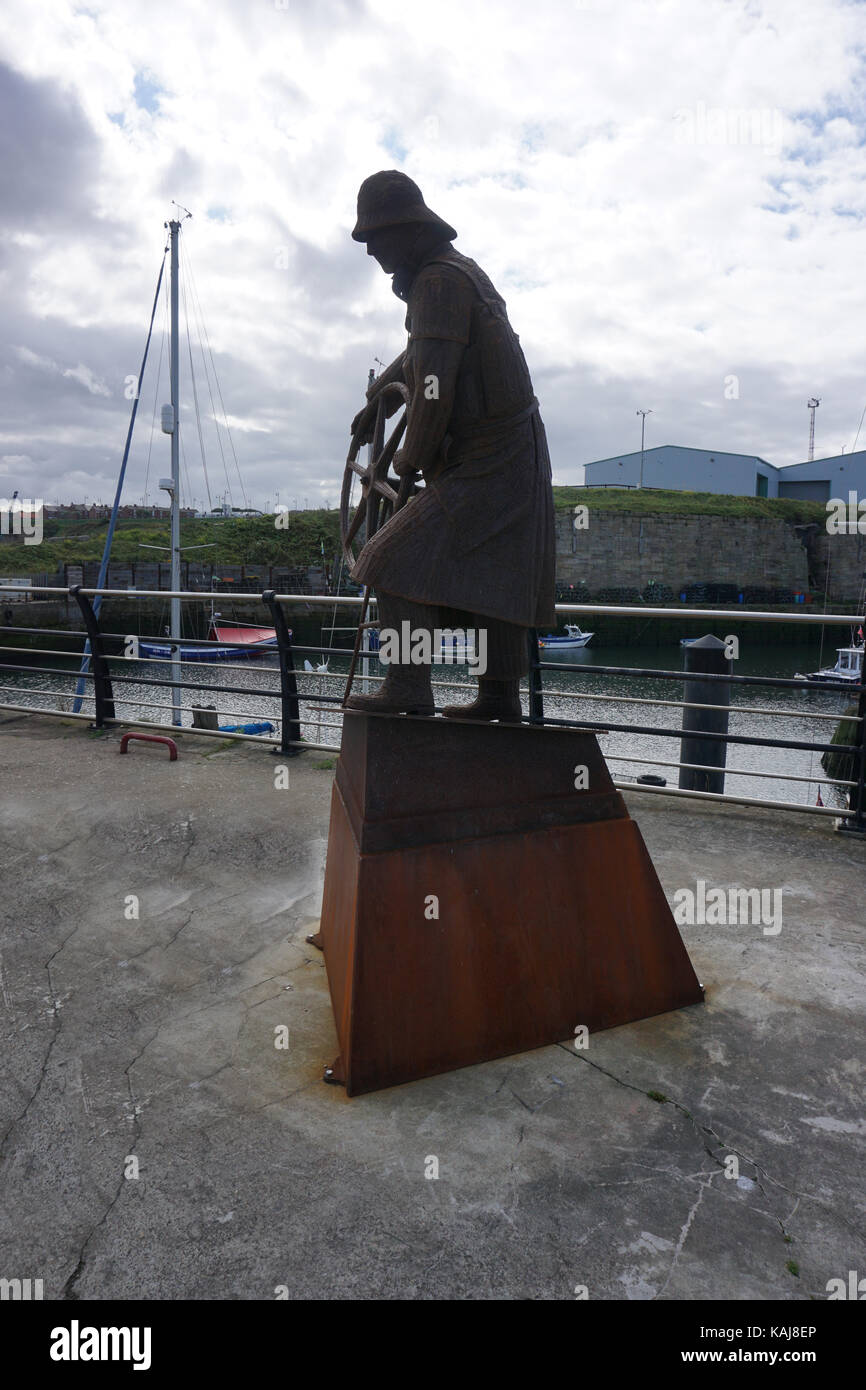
(475, 548)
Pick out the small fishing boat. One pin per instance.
(849, 667)
(256, 641)
(572, 638)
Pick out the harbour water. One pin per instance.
(766, 712)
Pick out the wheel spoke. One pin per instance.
(379, 427)
(381, 495)
(355, 523)
(384, 489)
(383, 461)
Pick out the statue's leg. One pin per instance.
(406, 688)
(505, 649)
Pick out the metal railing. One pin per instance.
(103, 674)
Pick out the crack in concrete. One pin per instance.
(729, 1148)
(254, 1110)
(68, 1293)
(172, 939)
(684, 1233)
(57, 1024)
(521, 1101)
(191, 840)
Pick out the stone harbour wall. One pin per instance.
(621, 551)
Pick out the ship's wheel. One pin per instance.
(381, 495)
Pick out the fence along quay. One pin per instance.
(105, 668)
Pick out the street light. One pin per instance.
(643, 414)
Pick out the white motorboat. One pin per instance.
(572, 638)
(849, 667)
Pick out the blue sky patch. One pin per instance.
(146, 93)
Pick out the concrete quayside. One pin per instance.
(159, 1141)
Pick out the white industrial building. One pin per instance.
(745, 475)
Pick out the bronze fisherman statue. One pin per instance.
(475, 548)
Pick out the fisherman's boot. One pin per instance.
(496, 700)
(405, 690)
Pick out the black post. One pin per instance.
(103, 694)
(705, 656)
(290, 721)
(536, 693)
(855, 821)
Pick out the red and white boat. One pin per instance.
(256, 640)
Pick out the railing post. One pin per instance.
(536, 693)
(855, 821)
(290, 721)
(102, 692)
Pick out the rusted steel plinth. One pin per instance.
(478, 904)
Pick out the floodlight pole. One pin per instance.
(643, 414)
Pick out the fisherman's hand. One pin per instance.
(368, 432)
(403, 464)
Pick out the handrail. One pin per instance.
(355, 600)
(108, 670)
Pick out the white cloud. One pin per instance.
(242, 426)
(662, 203)
(87, 379)
(35, 359)
(81, 373)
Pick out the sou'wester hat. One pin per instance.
(392, 199)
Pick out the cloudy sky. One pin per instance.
(670, 195)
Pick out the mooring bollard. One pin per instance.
(205, 717)
(706, 656)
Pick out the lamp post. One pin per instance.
(643, 414)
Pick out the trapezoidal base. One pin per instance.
(478, 904)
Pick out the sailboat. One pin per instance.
(255, 638)
(252, 639)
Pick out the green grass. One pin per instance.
(652, 502)
(225, 743)
(236, 541)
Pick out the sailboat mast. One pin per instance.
(174, 371)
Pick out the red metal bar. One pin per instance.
(151, 738)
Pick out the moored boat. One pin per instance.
(848, 668)
(572, 638)
(256, 640)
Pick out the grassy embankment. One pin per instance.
(256, 540)
(236, 541)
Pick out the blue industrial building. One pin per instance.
(746, 475)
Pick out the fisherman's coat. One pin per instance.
(480, 537)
